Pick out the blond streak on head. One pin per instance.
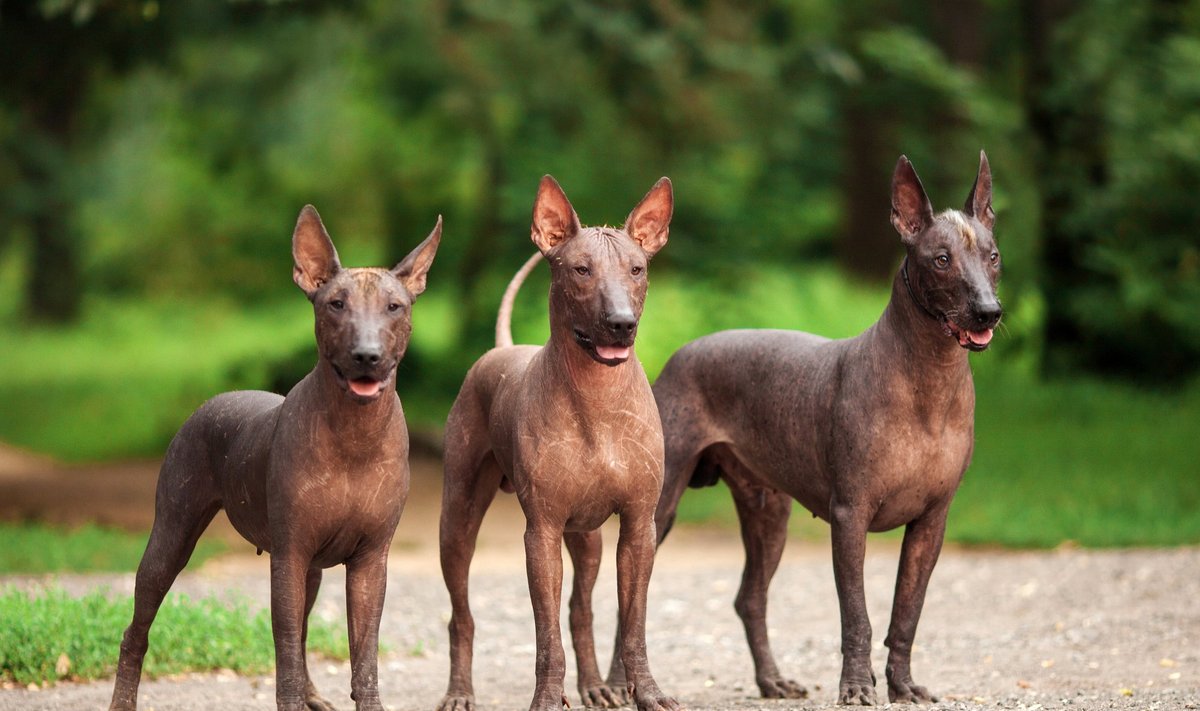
(959, 221)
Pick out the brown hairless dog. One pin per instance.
(868, 433)
(318, 479)
(572, 429)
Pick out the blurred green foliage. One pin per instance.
(153, 158)
(173, 161)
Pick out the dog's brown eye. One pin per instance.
(995, 258)
(393, 307)
(635, 271)
(942, 261)
(337, 304)
(582, 270)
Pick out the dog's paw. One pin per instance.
(602, 695)
(856, 693)
(548, 701)
(457, 702)
(780, 688)
(907, 692)
(656, 702)
(317, 702)
(619, 686)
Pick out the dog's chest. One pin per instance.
(910, 470)
(585, 472)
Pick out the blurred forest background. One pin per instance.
(154, 156)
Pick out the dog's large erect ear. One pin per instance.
(412, 269)
(979, 202)
(554, 220)
(315, 259)
(650, 221)
(911, 211)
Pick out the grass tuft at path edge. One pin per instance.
(52, 636)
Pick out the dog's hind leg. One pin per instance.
(585, 549)
(470, 486)
(185, 503)
(763, 516)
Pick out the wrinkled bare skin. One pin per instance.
(317, 479)
(868, 433)
(573, 430)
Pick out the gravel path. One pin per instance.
(1069, 629)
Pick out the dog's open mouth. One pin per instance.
(367, 387)
(971, 340)
(615, 354)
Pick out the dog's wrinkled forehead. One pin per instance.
(956, 227)
(601, 244)
(368, 283)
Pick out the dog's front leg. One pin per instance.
(635, 560)
(289, 571)
(543, 562)
(922, 545)
(366, 586)
(849, 524)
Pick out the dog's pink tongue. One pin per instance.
(980, 338)
(612, 352)
(365, 387)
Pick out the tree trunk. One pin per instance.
(1071, 163)
(868, 247)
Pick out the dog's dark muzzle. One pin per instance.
(609, 347)
(366, 378)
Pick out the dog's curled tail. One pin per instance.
(504, 317)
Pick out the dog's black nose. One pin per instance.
(368, 356)
(621, 323)
(988, 315)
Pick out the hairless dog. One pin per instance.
(572, 429)
(317, 479)
(868, 433)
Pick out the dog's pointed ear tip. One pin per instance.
(904, 167)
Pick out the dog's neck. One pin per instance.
(585, 378)
(342, 414)
(916, 336)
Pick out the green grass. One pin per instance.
(37, 548)
(1092, 462)
(51, 635)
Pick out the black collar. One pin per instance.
(908, 288)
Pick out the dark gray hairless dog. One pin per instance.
(317, 479)
(572, 428)
(868, 433)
